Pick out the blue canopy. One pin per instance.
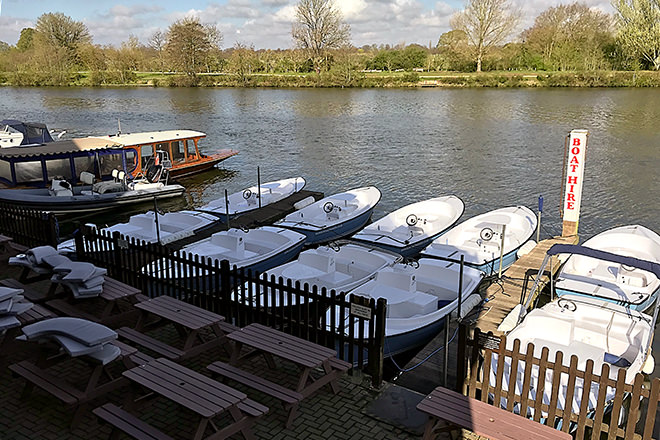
(648, 266)
(33, 132)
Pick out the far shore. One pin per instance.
(334, 79)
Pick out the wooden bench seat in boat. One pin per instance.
(289, 398)
(448, 410)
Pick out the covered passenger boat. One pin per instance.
(15, 133)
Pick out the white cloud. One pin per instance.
(10, 28)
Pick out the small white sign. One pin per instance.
(577, 147)
(360, 311)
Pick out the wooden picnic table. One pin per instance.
(114, 294)
(7, 340)
(199, 328)
(308, 356)
(100, 378)
(447, 407)
(204, 396)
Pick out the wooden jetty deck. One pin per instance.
(502, 296)
(265, 215)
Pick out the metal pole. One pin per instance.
(499, 274)
(538, 223)
(446, 353)
(156, 220)
(227, 207)
(460, 287)
(259, 186)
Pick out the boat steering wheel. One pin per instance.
(328, 207)
(247, 194)
(567, 304)
(486, 234)
(411, 220)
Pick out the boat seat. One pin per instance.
(60, 188)
(234, 244)
(631, 278)
(86, 178)
(107, 187)
(324, 263)
(142, 221)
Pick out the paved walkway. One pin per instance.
(322, 416)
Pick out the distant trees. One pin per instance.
(570, 37)
(486, 23)
(639, 29)
(191, 45)
(25, 40)
(453, 50)
(61, 31)
(413, 56)
(319, 27)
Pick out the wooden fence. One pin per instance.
(28, 227)
(599, 407)
(355, 326)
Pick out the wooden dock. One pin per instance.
(265, 215)
(503, 295)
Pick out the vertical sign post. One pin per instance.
(577, 148)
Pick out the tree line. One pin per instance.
(484, 37)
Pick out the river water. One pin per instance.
(492, 148)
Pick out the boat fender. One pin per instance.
(468, 304)
(511, 320)
(649, 364)
(300, 204)
(526, 248)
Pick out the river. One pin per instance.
(490, 147)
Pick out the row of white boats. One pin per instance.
(604, 286)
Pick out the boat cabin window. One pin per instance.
(58, 168)
(84, 163)
(163, 147)
(110, 162)
(178, 151)
(146, 151)
(131, 160)
(5, 169)
(28, 172)
(190, 147)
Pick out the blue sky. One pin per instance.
(262, 23)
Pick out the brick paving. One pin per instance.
(321, 416)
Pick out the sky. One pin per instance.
(264, 24)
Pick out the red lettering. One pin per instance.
(573, 168)
(570, 198)
(575, 150)
(572, 179)
(572, 189)
(569, 205)
(576, 141)
(575, 160)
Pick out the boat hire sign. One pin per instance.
(577, 147)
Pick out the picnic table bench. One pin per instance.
(114, 294)
(446, 407)
(191, 323)
(204, 396)
(99, 382)
(318, 365)
(8, 339)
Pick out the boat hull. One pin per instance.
(190, 168)
(61, 205)
(336, 231)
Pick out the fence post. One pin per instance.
(225, 291)
(80, 246)
(52, 234)
(378, 346)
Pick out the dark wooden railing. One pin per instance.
(353, 325)
(28, 227)
(629, 413)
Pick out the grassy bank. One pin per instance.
(339, 79)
